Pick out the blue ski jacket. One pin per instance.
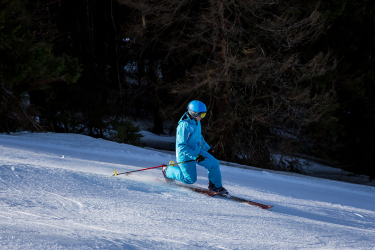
(189, 140)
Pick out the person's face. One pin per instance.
(198, 118)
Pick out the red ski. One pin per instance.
(252, 203)
(212, 194)
(233, 198)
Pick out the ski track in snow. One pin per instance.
(57, 192)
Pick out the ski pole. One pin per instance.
(126, 173)
(171, 163)
(212, 150)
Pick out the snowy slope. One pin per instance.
(57, 192)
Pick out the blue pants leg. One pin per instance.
(187, 172)
(213, 168)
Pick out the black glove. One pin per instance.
(200, 158)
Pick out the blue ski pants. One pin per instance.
(187, 172)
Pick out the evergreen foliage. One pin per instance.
(25, 64)
(127, 132)
(351, 39)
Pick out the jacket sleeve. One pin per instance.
(181, 142)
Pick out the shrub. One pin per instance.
(127, 132)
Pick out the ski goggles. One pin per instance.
(201, 114)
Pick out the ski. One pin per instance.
(199, 190)
(252, 203)
(233, 198)
(212, 194)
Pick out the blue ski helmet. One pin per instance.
(196, 108)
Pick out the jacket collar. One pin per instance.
(188, 119)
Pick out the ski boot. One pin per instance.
(221, 190)
(168, 180)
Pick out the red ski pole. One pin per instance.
(126, 173)
(163, 165)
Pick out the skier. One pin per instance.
(190, 145)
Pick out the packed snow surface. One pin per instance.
(57, 192)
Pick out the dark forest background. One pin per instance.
(286, 77)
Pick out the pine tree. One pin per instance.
(26, 63)
(351, 39)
